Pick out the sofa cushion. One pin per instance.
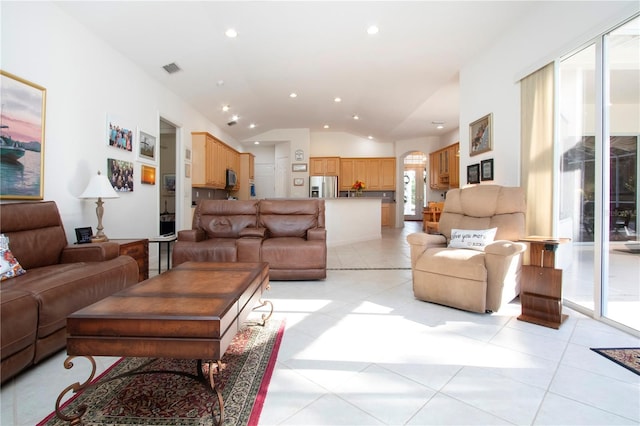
(288, 218)
(279, 252)
(35, 232)
(18, 320)
(461, 263)
(63, 289)
(210, 250)
(224, 219)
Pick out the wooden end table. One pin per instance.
(541, 285)
(138, 248)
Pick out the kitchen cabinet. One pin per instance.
(211, 159)
(324, 166)
(246, 175)
(387, 214)
(203, 147)
(346, 178)
(388, 174)
(434, 170)
(454, 165)
(377, 173)
(444, 168)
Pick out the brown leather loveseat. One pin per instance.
(59, 280)
(289, 234)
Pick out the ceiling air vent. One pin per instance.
(172, 68)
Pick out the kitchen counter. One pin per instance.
(351, 220)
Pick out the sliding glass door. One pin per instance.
(598, 130)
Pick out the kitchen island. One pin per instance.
(351, 220)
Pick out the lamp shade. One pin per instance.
(99, 187)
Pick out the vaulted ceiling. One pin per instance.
(400, 82)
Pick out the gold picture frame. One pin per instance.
(23, 122)
(481, 135)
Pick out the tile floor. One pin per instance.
(360, 350)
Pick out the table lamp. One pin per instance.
(99, 187)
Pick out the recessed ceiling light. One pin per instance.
(370, 137)
(225, 108)
(439, 126)
(373, 29)
(337, 99)
(293, 95)
(231, 33)
(234, 117)
(256, 143)
(252, 126)
(326, 126)
(356, 117)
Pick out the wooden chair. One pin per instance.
(431, 217)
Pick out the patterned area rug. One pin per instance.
(170, 399)
(629, 358)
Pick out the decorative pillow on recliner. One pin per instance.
(472, 238)
(9, 265)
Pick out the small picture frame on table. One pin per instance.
(83, 235)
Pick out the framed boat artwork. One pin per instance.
(22, 120)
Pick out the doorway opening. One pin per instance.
(415, 185)
(168, 177)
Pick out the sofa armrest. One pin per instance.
(419, 242)
(193, 235)
(94, 252)
(316, 234)
(505, 248)
(253, 232)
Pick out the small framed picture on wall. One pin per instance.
(473, 174)
(486, 169)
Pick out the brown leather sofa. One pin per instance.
(289, 234)
(59, 280)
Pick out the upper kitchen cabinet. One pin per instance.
(454, 165)
(324, 166)
(388, 174)
(211, 159)
(377, 173)
(245, 178)
(444, 168)
(203, 154)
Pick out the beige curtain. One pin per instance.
(536, 109)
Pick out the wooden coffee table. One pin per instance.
(190, 312)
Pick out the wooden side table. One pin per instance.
(541, 285)
(139, 250)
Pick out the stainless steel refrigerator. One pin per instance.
(323, 187)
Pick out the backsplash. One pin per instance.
(207, 194)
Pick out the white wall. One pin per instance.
(86, 80)
(490, 83)
(341, 144)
